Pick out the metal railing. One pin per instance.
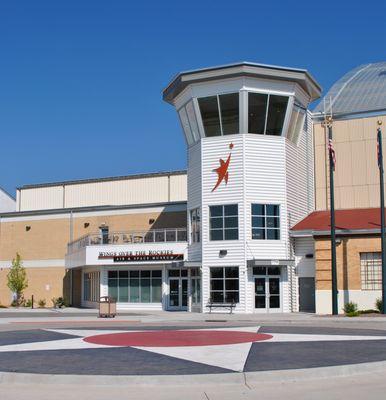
(129, 237)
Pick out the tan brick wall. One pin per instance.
(38, 279)
(48, 238)
(348, 261)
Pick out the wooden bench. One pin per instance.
(211, 304)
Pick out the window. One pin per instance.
(371, 271)
(224, 284)
(224, 222)
(189, 123)
(91, 286)
(195, 225)
(265, 222)
(135, 286)
(220, 114)
(296, 123)
(266, 113)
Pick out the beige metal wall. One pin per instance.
(356, 173)
(142, 190)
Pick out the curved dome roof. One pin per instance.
(362, 90)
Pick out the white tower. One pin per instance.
(250, 178)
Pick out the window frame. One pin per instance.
(375, 280)
(223, 218)
(269, 94)
(265, 216)
(218, 95)
(224, 280)
(195, 225)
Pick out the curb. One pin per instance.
(238, 378)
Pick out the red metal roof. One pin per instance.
(354, 219)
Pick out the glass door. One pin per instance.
(184, 293)
(267, 293)
(174, 293)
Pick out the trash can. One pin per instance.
(107, 307)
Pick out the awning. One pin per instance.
(274, 263)
(186, 264)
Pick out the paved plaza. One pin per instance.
(232, 353)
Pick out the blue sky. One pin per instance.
(81, 81)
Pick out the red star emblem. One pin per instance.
(222, 170)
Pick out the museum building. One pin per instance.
(246, 226)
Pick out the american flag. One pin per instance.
(332, 153)
(379, 149)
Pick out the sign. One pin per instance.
(140, 255)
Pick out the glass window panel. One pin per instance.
(231, 297)
(274, 302)
(273, 270)
(217, 284)
(216, 272)
(231, 222)
(258, 209)
(276, 113)
(273, 234)
(113, 288)
(174, 272)
(217, 297)
(258, 222)
(217, 223)
(134, 274)
(217, 234)
(257, 109)
(210, 116)
(123, 274)
(156, 273)
(258, 234)
(260, 301)
(184, 272)
(156, 291)
(145, 274)
(231, 272)
(231, 284)
(192, 120)
(231, 209)
(216, 211)
(272, 209)
(231, 234)
(123, 290)
(185, 125)
(229, 106)
(259, 270)
(134, 290)
(145, 290)
(113, 274)
(273, 222)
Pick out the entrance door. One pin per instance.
(307, 294)
(178, 293)
(267, 293)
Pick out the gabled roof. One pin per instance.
(361, 90)
(360, 219)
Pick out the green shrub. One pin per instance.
(378, 305)
(368, 311)
(350, 308)
(42, 303)
(353, 314)
(27, 303)
(59, 302)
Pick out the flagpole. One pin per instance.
(334, 279)
(382, 205)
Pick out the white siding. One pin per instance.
(305, 266)
(41, 198)
(7, 203)
(141, 190)
(194, 196)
